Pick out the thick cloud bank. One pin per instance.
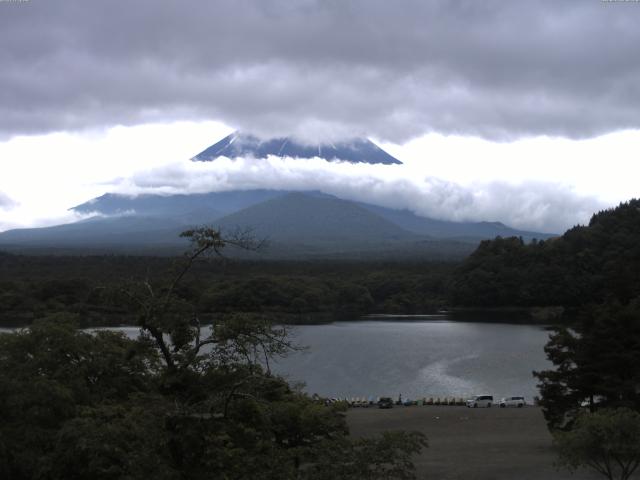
(535, 206)
(315, 68)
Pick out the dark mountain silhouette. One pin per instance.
(296, 224)
(471, 231)
(204, 208)
(100, 233)
(304, 217)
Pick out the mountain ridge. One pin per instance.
(297, 225)
(228, 202)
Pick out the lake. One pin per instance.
(415, 358)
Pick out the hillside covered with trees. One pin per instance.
(588, 264)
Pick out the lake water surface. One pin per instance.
(417, 358)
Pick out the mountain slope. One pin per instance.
(217, 203)
(304, 217)
(100, 232)
(472, 231)
(315, 225)
(207, 207)
(296, 225)
(356, 150)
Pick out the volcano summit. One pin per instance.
(355, 150)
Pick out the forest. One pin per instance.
(196, 383)
(290, 292)
(588, 264)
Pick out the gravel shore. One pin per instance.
(472, 444)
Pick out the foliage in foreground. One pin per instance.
(607, 441)
(179, 402)
(597, 364)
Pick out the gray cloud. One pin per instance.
(6, 202)
(391, 70)
(535, 206)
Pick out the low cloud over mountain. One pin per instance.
(6, 202)
(531, 205)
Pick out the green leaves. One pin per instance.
(388, 457)
(587, 264)
(182, 401)
(607, 441)
(52, 372)
(598, 362)
(113, 442)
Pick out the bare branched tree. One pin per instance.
(175, 328)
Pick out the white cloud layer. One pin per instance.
(546, 184)
(545, 207)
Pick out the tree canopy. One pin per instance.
(182, 401)
(596, 363)
(588, 264)
(607, 441)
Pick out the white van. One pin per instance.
(512, 402)
(480, 401)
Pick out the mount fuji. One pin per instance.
(298, 224)
(355, 150)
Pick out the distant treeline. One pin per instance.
(588, 264)
(32, 287)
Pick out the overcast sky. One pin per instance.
(527, 112)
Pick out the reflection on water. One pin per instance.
(414, 358)
(417, 358)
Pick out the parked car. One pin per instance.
(512, 402)
(586, 403)
(480, 401)
(385, 402)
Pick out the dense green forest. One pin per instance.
(294, 292)
(588, 264)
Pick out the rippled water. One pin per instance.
(417, 358)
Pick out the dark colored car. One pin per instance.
(385, 402)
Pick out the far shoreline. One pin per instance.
(535, 316)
